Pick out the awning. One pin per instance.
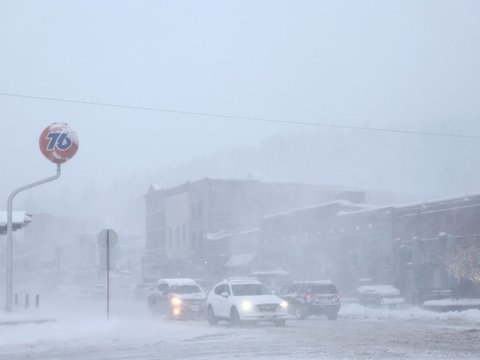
(240, 260)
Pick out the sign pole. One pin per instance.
(58, 143)
(9, 262)
(107, 240)
(108, 274)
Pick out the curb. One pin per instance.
(22, 322)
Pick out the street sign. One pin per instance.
(107, 235)
(58, 143)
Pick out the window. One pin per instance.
(186, 289)
(162, 240)
(319, 288)
(226, 289)
(249, 289)
(193, 239)
(287, 289)
(162, 288)
(184, 233)
(219, 289)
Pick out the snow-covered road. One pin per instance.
(358, 334)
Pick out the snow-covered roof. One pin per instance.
(315, 282)
(439, 205)
(221, 235)
(19, 219)
(177, 282)
(382, 290)
(243, 280)
(345, 203)
(365, 210)
(310, 207)
(453, 302)
(272, 273)
(154, 187)
(240, 260)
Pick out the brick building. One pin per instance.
(407, 246)
(181, 220)
(426, 235)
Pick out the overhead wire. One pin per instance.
(240, 117)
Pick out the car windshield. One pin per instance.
(320, 288)
(186, 289)
(249, 289)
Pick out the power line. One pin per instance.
(239, 117)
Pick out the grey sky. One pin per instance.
(402, 64)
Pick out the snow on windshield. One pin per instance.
(186, 289)
(249, 289)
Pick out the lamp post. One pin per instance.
(59, 143)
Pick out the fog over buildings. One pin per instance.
(399, 65)
(301, 136)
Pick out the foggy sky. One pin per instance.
(401, 64)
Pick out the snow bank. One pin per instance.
(452, 302)
(356, 311)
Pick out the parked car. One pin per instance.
(178, 298)
(307, 298)
(385, 296)
(240, 300)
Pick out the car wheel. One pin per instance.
(300, 312)
(212, 320)
(234, 318)
(332, 315)
(280, 322)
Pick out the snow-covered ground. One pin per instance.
(81, 332)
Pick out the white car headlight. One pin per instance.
(176, 301)
(176, 311)
(284, 305)
(247, 306)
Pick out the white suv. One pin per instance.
(244, 299)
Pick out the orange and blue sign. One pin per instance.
(58, 143)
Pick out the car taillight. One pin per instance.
(336, 298)
(308, 297)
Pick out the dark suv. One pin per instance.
(311, 298)
(177, 298)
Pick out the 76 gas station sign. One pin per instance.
(58, 143)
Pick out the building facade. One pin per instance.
(182, 221)
(410, 247)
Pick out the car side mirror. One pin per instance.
(224, 294)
